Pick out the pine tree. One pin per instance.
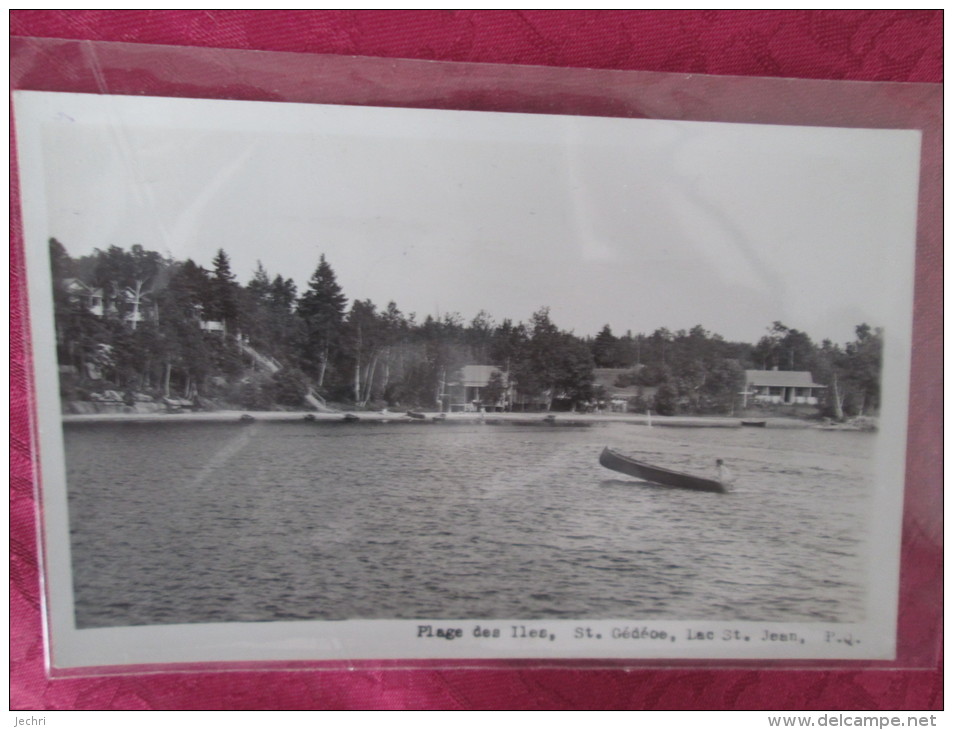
(260, 286)
(222, 301)
(283, 293)
(604, 348)
(322, 306)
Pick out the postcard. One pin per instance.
(320, 383)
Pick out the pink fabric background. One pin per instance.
(857, 45)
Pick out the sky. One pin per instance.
(638, 224)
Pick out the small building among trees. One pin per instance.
(90, 299)
(781, 387)
(618, 390)
(477, 386)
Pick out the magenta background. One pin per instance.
(856, 45)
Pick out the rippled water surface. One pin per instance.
(186, 522)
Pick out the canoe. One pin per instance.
(657, 475)
(757, 424)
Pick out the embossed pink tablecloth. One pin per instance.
(890, 45)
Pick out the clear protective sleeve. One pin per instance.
(418, 102)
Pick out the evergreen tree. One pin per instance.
(183, 348)
(495, 389)
(479, 335)
(862, 363)
(260, 286)
(78, 331)
(604, 349)
(283, 293)
(61, 265)
(508, 344)
(222, 302)
(322, 307)
(784, 348)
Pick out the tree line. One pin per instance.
(139, 322)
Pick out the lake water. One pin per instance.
(204, 522)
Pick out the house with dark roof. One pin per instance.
(781, 387)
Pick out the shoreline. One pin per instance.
(435, 418)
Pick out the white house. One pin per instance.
(212, 325)
(465, 391)
(784, 387)
(79, 293)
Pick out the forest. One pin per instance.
(151, 327)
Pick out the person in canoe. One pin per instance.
(724, 476)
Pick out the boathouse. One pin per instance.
(781, 387)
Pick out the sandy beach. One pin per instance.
(434, 417)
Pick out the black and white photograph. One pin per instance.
(321, 382)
